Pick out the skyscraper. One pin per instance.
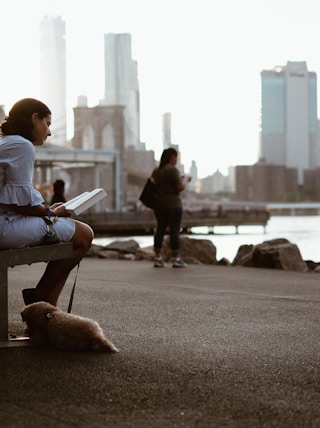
(122, 85)
(166, 130)
(289, 117)
(53, 74)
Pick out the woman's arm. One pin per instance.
(41, 210)
(183, 183)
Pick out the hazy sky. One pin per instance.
(198, 59)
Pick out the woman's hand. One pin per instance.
(58, 209)
(186, 179)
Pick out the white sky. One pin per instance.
(198, 59)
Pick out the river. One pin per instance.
(301, 230)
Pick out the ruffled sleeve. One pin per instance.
(21, 195)
(16, 172)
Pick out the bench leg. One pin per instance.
(3, 304)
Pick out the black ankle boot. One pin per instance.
(28, 295)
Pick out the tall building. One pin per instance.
(2, 113)
(289, 117)
(122, 85)
(53, 74)
(193, 172)
(166, 130)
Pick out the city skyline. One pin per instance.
(200, 60)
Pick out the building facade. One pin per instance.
(102, 128)
(53, 74)
(264, 182)
(289, 130)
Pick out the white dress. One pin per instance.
(17, 156)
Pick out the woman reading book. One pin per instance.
(24, 219)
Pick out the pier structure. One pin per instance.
(294, 208)
(144, 223)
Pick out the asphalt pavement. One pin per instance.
(202, 346)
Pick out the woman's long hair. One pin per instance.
(19, 121)
(166, 156)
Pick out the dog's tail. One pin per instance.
(105, 346)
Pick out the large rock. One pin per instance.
(115, 250)
(192, 250)
(275, 254)
(125, 247)
(244, 256)
(145, 253)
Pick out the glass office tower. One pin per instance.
(289, 126)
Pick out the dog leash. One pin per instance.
(73, 288)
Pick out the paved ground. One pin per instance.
(206, 346)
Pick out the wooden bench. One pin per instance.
(23, 256)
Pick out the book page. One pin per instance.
(73, 201)
(84, 201)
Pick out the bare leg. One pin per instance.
(57, 272)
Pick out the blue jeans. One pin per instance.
(168, 218)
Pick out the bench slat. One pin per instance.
(23, 256)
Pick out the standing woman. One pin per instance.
(23, 215)
(168, 205)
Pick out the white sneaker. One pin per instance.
(179, 263)
(158, 263)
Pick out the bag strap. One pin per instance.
(51, 236)
(72, 291)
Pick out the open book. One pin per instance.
(84, 201)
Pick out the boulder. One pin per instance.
(145, 253)
(274, 254)
(192, 250)
(125, 247)
(94, 251)
(244, 256)
(313, 266)
(223, 262)
(123, 250)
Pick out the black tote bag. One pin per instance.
(148, 193)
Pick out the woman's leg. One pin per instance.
(57, 272)
(175, 226)
(160, 232)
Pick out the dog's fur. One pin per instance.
(49, 325)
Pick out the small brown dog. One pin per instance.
(49, 325)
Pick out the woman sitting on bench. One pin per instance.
(24, 219)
